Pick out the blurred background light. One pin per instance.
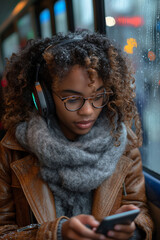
(110, 21)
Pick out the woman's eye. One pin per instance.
(73, 100)
(98, 97)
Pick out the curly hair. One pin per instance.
(94, 52)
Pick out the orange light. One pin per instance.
(19, 7)
(131, 43)
(135, 21)
(151, 55)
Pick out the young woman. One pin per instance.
(69, 157)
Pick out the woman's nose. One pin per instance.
(86, 109)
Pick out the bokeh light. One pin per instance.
(110, 21)
(131, 43)
(151, 55)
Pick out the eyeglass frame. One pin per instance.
(84, 100)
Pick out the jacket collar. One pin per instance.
(10, 141)
(36, 191)
(41, 199)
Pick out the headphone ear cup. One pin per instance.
(43, 100)
(49, 99)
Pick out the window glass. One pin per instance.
(135, 26)
(83, 14)
(25, 29)
(60, 16)
(45, 23)
(10, 45)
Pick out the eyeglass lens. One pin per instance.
(76, 102)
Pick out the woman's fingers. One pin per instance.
(125, 228)
(75, 228)
(88, 219)
(122, 231)
(126, 208)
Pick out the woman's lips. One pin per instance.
(84, 124)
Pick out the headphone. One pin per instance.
(42, 97)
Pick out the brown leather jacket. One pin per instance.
(23, 194)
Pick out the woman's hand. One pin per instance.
(122, 232)
(75, 229)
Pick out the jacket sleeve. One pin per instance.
(47, 231)
(135, 193)
(8, 225)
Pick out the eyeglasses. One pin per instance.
(76, 102)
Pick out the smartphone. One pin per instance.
(109, 222)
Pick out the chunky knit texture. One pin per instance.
(72, 169)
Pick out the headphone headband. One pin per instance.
(64, 42)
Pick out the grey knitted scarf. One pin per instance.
(72, 169)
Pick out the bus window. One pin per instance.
(25, 29)
(45, 23)
(60, 16)
(10, 45)
(83, 14)
(135, 26)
